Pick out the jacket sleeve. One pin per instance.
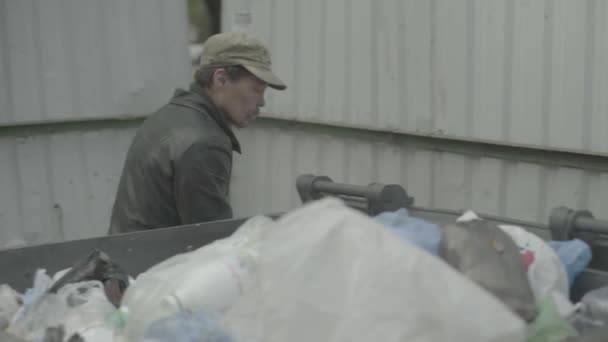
(201, 182)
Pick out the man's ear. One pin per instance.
(220, 77)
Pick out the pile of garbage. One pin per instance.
(324, 272)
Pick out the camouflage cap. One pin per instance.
(236, 48)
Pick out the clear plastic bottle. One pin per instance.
(593, 312)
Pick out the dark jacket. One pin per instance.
(178, 167)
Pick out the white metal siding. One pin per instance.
(83, 59)
(61, 185)
(529, 72)
(526, 72)
(264, 176)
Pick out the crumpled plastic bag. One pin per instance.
(546, 273)
(97, 266)
(187, 327)
(6, 337)
(210, 278)
(328, 273)
(10, 302)
(593, 311)
(57, 334)
(485, 254)
(42, 283)
(575, 255)
(80, 308)
(549, 326)
(419, 232)
(545, 270)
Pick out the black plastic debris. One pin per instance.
(97, 266)
(57, 334)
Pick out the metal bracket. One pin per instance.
(372, 199)
(564, 222)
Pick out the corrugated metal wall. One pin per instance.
(436, 175)
(515, 72)
(87, 59)
(78, 61)
(528, 72)
(59, 182)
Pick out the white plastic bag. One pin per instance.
(328, 273)
(81, 308)
(10, 301)
(210, 278)
(187, 327)
(545, 270)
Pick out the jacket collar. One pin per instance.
(197, 99)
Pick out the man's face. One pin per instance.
(242, 99)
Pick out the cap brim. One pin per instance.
(267, 76)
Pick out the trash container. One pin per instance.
(138, 251)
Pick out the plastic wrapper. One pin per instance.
(10, 302)
(97, 266)
(546, 271)
(187, 327)
(575, 255)
(421, 233)
(488, 256)
(593, 312)
(549, 325)
(210, 278)
(79, 309)
(328, 273)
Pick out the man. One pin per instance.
(178, 167)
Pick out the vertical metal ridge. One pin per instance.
(322, 107)
(433, 63)
(268, 161)
(346, 174)
(401, 65)
(542, 208)
(319, 154)
(39, 68)
(272, 42)
(376, 11)
(471, 62)
(73, 73)
(433, 95)
(374, 161)
(604, 45)
(508, 83)
(296, 86)
(10, 106)
(405, 156)
(273, 25)
(293, 159)
(83, 171)
(503, 178)
(435, 160)
(471, 163)
(547, 70)
(163, 31)
(50, 179)
(17, 184)
(346, 108)
(585, 191)
(106, 76)
(134, 67)
(589, 76)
